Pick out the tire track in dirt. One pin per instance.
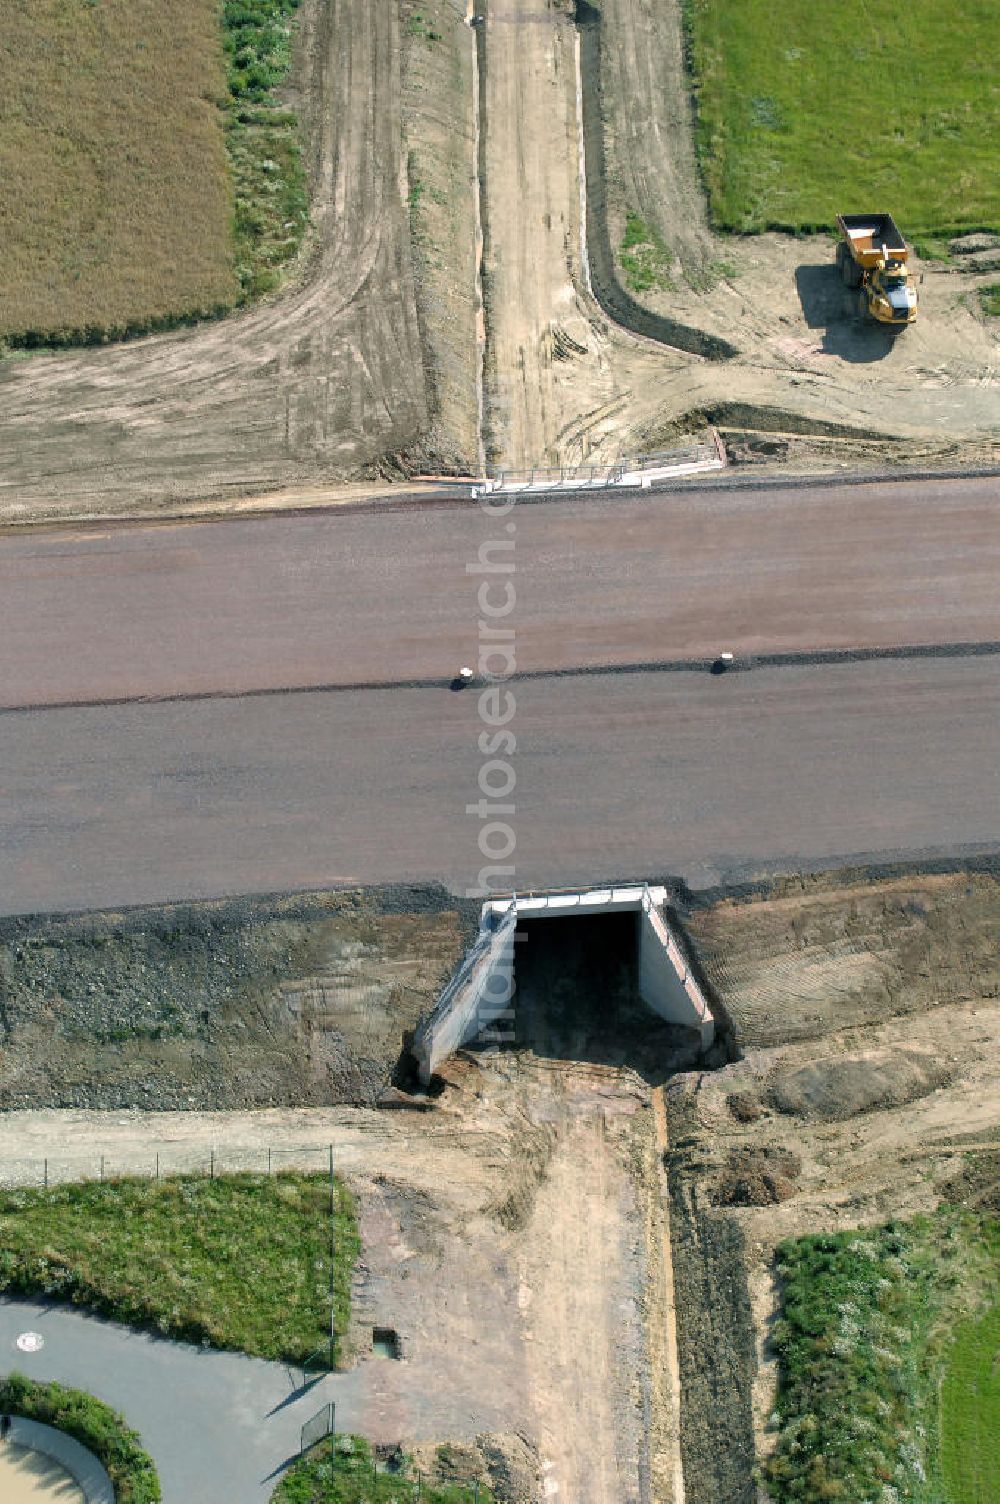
(617, 303)
(569, 385)
(316, 384)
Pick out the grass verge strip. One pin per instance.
(263, 142)
(870, 1320)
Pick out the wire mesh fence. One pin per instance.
(317, 1427)
(157, 1163)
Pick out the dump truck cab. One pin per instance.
(891, 294)
(873, 257)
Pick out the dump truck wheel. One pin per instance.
(845, 265)
(863, 306)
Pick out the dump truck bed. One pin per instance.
(867, 234)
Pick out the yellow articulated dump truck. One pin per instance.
(873, 257)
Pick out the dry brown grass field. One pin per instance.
(115, 196)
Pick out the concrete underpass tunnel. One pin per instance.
(595, 976)
(576, 997)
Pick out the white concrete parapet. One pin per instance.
(665, 980)
(585, 901)
(475, 999)
(641, 470)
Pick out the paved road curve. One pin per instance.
(385, 595)
(618, 774)
(220, 1427)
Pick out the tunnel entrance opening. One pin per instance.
(576, 998)
(604, 962)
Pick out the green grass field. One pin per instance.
(815, 107)
(970, 1412)
(147, 173)
(240, 1261)
(871, 1321)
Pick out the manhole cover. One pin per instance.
(30, 1342)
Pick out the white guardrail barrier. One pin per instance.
(637, 471)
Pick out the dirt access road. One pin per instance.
(567, 384)
(503, 1238)
(312, 385)
(329, 381)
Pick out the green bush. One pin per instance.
(265, 157)
(989, 298)
(644, 258)
(867, 1319)
(94, 1425)
(342, 1472)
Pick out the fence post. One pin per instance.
(269, 1161)
(46, 1172)
(102, 1169)
(211, 1165)
(333, 1266)
(157, 1171)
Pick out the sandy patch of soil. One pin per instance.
(368, 365)
(27, 1477)
(815, 955)
(871, 1095)
(568, 385)
(439, 126)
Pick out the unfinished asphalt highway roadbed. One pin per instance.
(617, 775)
(266, 769)
(383, 596)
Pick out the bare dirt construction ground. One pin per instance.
(368, 364)
(313, 386)
(514, 1237)
(252, 1003)
(869, 1017)
(561, 1317)
(567, 385)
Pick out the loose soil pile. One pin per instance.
(758, 1176)
(856, 1083)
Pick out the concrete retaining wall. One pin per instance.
(475, 1000)
(479, 994)
(665, 982)
(82, 1465)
